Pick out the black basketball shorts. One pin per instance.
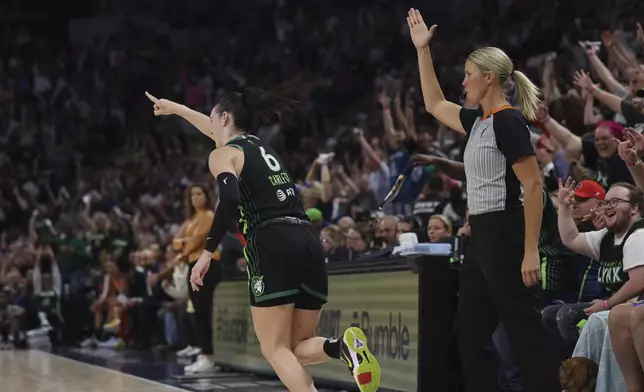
(285, 264)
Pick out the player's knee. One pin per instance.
(304, 357)
(267, 349)
(271, 351)
(298, 354)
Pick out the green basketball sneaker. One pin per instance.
(363, 366)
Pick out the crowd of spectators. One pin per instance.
(93, 186)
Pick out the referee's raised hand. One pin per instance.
(418, 31)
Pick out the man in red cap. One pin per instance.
(590, 188)
(616, 245)
(582, 270)
(588, 195)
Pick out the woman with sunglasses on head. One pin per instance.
(498, 281)
(287, 275)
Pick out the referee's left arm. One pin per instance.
(513, 140)
(527, 171)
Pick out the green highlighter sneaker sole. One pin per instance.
(364, 367)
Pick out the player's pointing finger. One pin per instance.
(151, 97)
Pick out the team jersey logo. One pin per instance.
(257, 285)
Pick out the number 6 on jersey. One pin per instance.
(270, 160)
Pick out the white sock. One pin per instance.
(43, 319)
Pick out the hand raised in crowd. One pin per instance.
(398, 100)
(565, 196)
(638, 103)
(640, 34)
(542, 113)
(162, 107)
(599, 220)
(544, 156)
(590, 49)
(607, 38)
(546, 151)
(628, 149)
(384, 100)
(409, 96)
(418, 31)
(423, 159)
(582, 80)
(637, 139)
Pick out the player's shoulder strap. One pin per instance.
(240, 141)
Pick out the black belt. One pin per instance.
(288, 220)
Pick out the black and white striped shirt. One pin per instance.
(495, 143)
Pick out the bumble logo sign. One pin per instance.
(384, 305)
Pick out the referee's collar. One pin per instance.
(495, 111)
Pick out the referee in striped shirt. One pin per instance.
(498, 281)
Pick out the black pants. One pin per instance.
(202, 302)
(142, 319)
(5, 329)
(492, 291)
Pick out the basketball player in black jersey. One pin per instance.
(285, 260)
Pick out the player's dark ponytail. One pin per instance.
(262, 105)
(268, 104)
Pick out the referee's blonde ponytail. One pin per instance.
(526, 93)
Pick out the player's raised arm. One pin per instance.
(164, 107)
(446, 112)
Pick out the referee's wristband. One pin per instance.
(636, 163)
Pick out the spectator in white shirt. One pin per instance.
(618, 246)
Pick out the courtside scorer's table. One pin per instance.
(437, 302)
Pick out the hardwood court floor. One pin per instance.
(38, 371)
(81, 370)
